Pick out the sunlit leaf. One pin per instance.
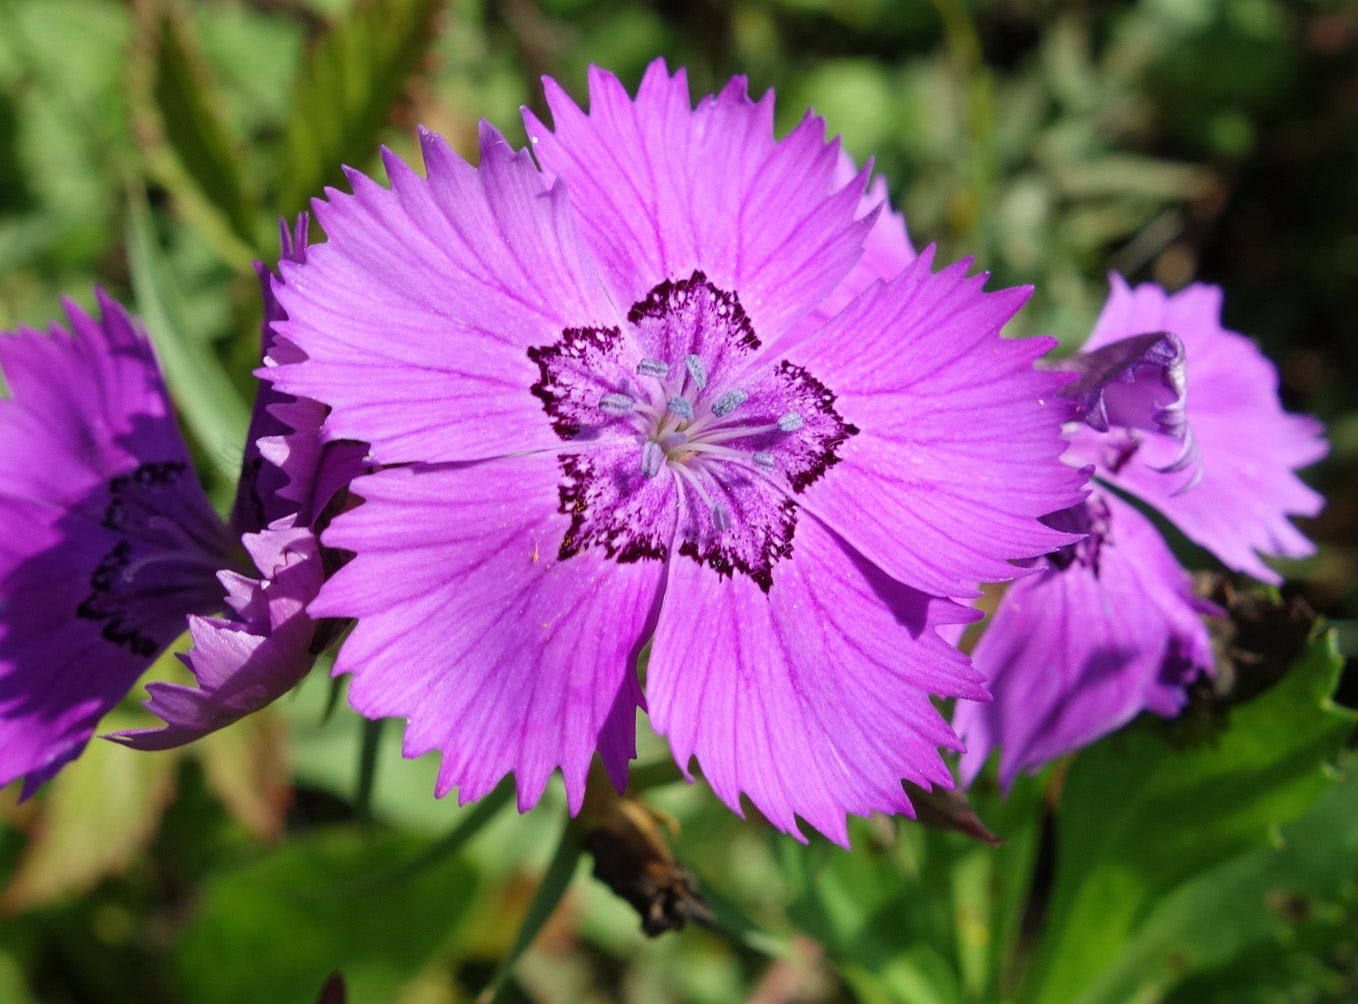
(101, 811)
(209, 402)
(550, 890)
(246, 766)
(1255, 902)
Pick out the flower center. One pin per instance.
(680, 436)
(683, 425)
(167, 548)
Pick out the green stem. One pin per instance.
(553, 887)
(477, 817)
(367, 767)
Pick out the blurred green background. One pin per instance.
(150, 146)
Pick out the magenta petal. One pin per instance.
(663, 190)
(812, 699)
(498, 652)
(108, 413)
(1248, 445)
(1110, 630)
(109, 541)
(243, 665)
(886, 251)
(958, 455)
(416, 315)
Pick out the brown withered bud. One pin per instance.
(948, 810)
(1252, 647)
(633, 858)
(333, 992)
(1258, 640)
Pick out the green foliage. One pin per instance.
(1247, 913)
(205, 168)
(354, 74)
(102, 812)
(1139, 817)
(267, 931)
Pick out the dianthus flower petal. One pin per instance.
(812, 699)
(416, 313)
(957, 454)
(1110, 629)
(1248, 445)
(886, 251)
(109, 541)
(499, 652)
(663, 190)
(242, 665)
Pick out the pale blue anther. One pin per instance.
(681, 406)
(653, 367)
(652, 458)
(697, 370)
(721, 518)
(729, 402)
(764, 461)
(616, 404)
(790, 422)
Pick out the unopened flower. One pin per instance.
(1169, 406)
(1239, 502)
(630, 403)
(267, 641)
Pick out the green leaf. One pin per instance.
(1249, 906)
(211, 407)
(196, 159)
(355, 74)
(268, 932)
(1139, 817)
(883, 912)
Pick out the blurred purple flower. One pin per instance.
(1111, 628)
(111, 545)
(656, 391)
(109, 541)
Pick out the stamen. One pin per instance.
(697, 370)
(764, 461)
(653, 367)
(616, 404)
(680, 406)
(790, 422)
(652, 458)
(721, 518)
(729, 402)
(684, 472)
